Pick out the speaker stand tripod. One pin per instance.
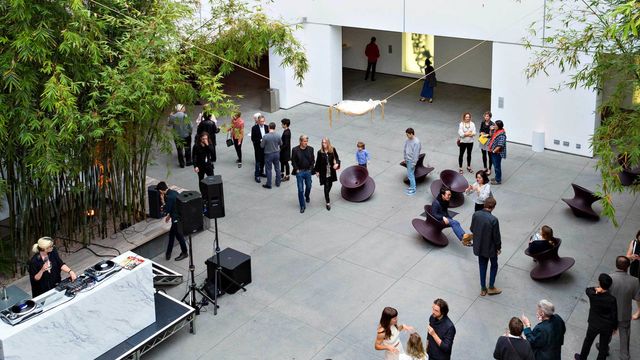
(217, 271)
(193, 288)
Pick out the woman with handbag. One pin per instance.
(237, 134)
(486, 130)
(466, 133)
(633, 254)
(327, 162)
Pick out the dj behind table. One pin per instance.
(84, 318)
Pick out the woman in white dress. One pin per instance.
(480, 190)
(388, 337)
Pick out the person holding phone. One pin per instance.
(204, 155)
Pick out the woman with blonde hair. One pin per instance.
(327, 162)
(45, 267)
(415, 349)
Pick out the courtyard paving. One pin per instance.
(322, 278)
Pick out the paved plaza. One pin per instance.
(322, 278)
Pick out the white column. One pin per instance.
(323, 82)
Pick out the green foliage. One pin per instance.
(607, 32)
(84, 90)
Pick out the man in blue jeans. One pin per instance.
(302, 161)
(440, 211)
(498, 151)
(411, 152)
(487, 245)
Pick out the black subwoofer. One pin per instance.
(189, 205)
(153, 195)
(235, 265)
(213, 196)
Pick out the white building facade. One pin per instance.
(335, 33)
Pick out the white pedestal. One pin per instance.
(88, 325)
(537, 141)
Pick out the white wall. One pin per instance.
(495, 20)
(323, 83)
(532, 105)
(472, 69)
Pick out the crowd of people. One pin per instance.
(610, 301)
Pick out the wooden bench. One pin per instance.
(549, 264)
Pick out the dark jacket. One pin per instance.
(210, 127)
(170, 206)
(256, 136)
(509, 348)
(204, 156)
(321, 166)
(285, 149)
(49, 279)
(440, 208)
(430, 77)
(486, 234)
(302, 159)
(547, 338)
(603, 310)
(446, 331)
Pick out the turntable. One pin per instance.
(102, 270)
(20, 312)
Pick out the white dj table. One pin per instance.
(88, 325)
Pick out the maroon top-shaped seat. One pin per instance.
(431, 229)
(549, 264)
(455, 182)
(357, 185)
(420, 171)
(581, 202)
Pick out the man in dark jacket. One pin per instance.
(257, 132)
(487, 245)
(208, 125)
(440, 332)
(303, 160)
(547, 337)
(603, 318)
(168, 198)
(440, 211)
(372, 53)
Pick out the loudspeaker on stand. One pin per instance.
(213, 195)
(190, 206)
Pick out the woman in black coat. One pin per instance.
(285, 150)
(204, 155)
(327, 162)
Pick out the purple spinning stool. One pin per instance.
(420, 171)
(581, 202)
(357, 185)
(549, 264)
(431, 229)
(454, 181)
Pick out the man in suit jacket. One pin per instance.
(257, 132)
(603, 318)
(625, 289)
(547, 337)
(487, 245)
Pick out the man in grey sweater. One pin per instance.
(625, 289)
(412, 149)
(182, 129)
(271, 143)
